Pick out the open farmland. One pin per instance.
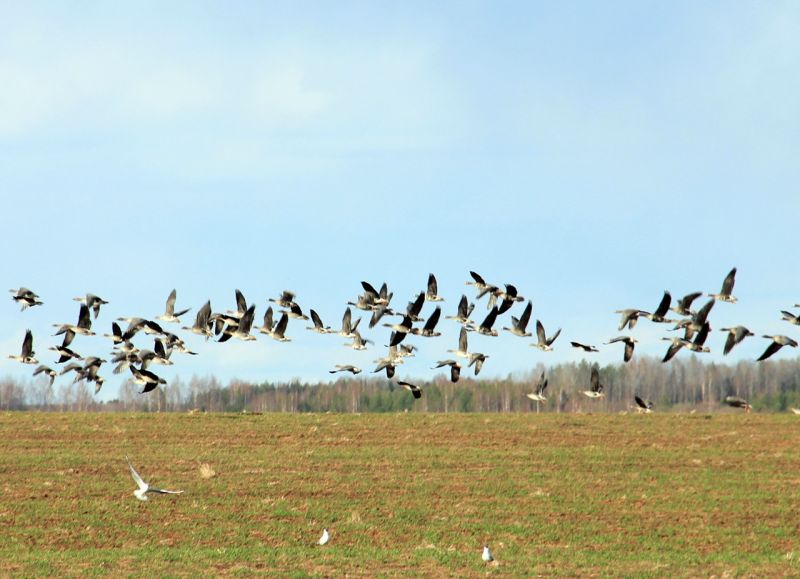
(403, 493)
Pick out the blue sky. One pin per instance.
(594, 154)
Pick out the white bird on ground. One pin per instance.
(487, 554)
(144, 488)
(324, 538)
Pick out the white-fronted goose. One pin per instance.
(26, 355)
(170, 315)
(629, 345)
(538, 391)
(25, 298)
(519, 326)
(736, 334)
(778, 342)
(543, 342)
(724, 294)
(455, 368)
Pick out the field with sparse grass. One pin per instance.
(416, 494)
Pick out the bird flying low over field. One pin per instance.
(26, 353)
(595, 388)
(144, 488)
(737, 402)
(642, 406)
(538, 392)
(416, 391)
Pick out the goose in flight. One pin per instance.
(696, 322)
(278, 333)
(464, 310)
(790, 317)
(595, 389)
(242, 329)
(509, 297)
(642, 406)
(25, 298)
(462, 351)
(675, 346)
(429, 329)
(144, 488)
(543, 342)
(659, 316)
(629, 345)
(477, 359)
(377, 313)
(359, 343)
(318, 326)
(347, 326)
(269, 324)
(724, 294)
(415, 390)
(65, 353)
(83, 327)
(47, 370)
(698, 344)
(519, 326)
(414, 308)
(346, 368)
(93, 302)
(737, 402)
(146, 378)
(628, 317)
(778, 342)
(170, 315)
(538, 391)
(375, 297)
(486, 325)
(736, 334)
(296, 312)
(683, 306)
(202, 321)
(324, 538)
(585, 347)
(117, 336)
(389, 363)
(26, 355)
(455, 369)
(483, 289)
(285, 300)
(432, 293)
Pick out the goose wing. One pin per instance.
(27, 344)
(433, 287)
(553, 337)
(430, 325)
(316, 319)
(663, 306)
(771, 349)
(525, 317)
(727, 284)
(241, 303)
(169, 309)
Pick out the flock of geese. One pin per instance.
(238, 324)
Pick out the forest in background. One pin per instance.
(682, 385)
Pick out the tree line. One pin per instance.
(683, 385)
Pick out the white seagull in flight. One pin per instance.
(144, 488)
